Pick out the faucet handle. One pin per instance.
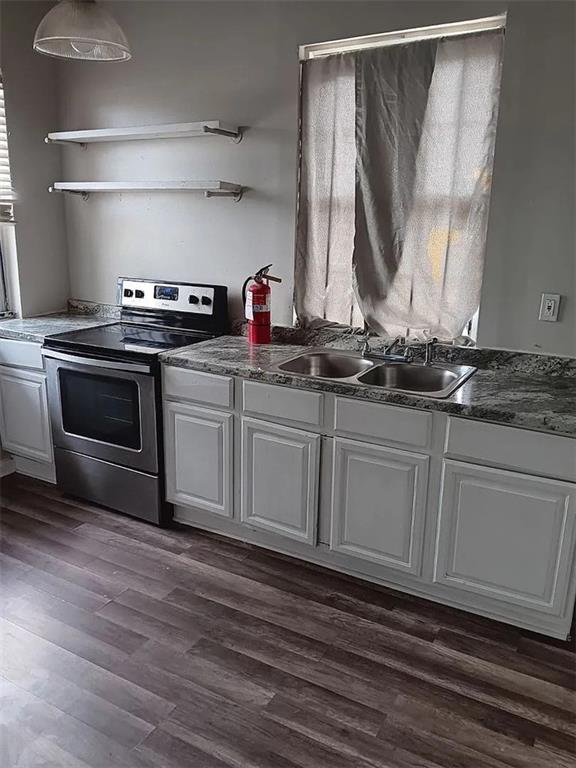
(408, 353)
(365, 348)
(430, 344)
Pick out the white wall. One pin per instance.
(31, 91)
(237, 61)
(531, 237)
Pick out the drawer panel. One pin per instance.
(22, 354)
(282, 402)
(385, 422)
(198, 387)
(532, 452)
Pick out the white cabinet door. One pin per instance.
(24, 420)
(199, 457)
(506, 536)
(379, 504)
(280, 473)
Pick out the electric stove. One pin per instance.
(104, 393)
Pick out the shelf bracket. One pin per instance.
(236, 196)
(80, 144)
(236, 136)
(83, 195)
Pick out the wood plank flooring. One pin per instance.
(126, 646)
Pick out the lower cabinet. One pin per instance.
(379, 504)
(199, 459)
(24, 419)
(506, 536)
(427, 517)
(280, 472)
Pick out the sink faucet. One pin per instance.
(398, 341)
(388, 353)
(430, 351)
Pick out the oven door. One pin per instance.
(103, 408)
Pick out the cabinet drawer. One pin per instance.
(385, 422)
(282, 403)
(22, 354)
(532, 452)
(183, 384)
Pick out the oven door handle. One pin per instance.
(96, 362)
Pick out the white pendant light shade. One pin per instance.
(81, 29)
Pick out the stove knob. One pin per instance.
(128, 292)
(193, 299)
(139, 294)
(206, 300)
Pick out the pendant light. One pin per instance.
(81, 29)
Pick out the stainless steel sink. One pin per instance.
(437, 380)
(326, 365)
(432, 380)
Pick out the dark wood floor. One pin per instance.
(124, 645)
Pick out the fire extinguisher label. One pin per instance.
(248, 311)
(252, 309)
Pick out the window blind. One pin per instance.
(6, 191)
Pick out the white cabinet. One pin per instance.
(198, 446)
(474, 515)
(379, 504)
(506, 536)
(280, 473)
(24, 420)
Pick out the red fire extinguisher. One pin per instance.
(256, 299)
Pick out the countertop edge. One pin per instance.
(371, 394)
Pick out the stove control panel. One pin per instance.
(178, 297)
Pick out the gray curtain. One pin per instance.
(392, 86)
(325, 237)
(414, 222)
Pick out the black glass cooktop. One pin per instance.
(124, 340)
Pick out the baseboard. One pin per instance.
(7, 466)
(38, 469)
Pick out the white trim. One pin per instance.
(8, 243)
(384, 39)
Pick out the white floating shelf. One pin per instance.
(210, 188)
(165, 131)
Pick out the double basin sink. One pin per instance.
(436, 380)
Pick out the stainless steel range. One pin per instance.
(104, 392)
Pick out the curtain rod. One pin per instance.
(315, 50)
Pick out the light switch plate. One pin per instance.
(549, 306)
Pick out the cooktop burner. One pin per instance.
(125, 337)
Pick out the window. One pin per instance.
(6, 198)
(397, 145)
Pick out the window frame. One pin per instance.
(7, 197)
(397, 37)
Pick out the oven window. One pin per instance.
(100, 407)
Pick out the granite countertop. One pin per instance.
(37, 328)
(511, 393)
(520, 389)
